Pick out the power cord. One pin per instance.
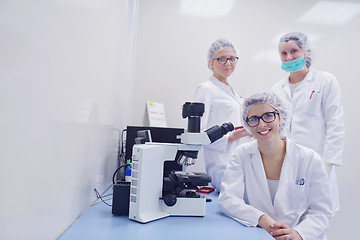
(125, 165)
(98, 196)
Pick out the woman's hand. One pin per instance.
(281, 231)
(265, 222)
(237, 134)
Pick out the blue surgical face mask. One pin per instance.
(294, 65)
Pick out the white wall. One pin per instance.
(171, 62)
(65, 79)
(66, 85)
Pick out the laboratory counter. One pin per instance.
(98, 222)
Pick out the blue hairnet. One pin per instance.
(303, 41)
(268, 98)
(217, 46)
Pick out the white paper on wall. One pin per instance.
(156, 114)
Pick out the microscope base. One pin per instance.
(195, 207)
(187, 207)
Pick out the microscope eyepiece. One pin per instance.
(216, 132)
(227, 127)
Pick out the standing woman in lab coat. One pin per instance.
(222, 104)
(273, 182)
(316, 111)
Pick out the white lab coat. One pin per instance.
(245, 194)
(317, 118)
(222, 104)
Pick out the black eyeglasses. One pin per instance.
(223, 60)
(267, 117)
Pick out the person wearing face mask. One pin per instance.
(222, 104)
(316, 109)
(273, 182)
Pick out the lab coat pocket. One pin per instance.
(297, 196)
(312, 104)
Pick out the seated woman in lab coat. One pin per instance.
(222, 104)
(273, 182)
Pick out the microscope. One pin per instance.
(160, 185)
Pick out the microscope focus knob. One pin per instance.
(170, 199)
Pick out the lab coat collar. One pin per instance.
(285, 84)
(303, 87)
(290, 146)
(308, 78)
(227, 88)
(254, 148)
(217, 82)
(292, 149)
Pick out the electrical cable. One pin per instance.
(114, 175)
(121, 153)
(98, 195)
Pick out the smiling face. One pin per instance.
(264, 132)
(223, 71)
